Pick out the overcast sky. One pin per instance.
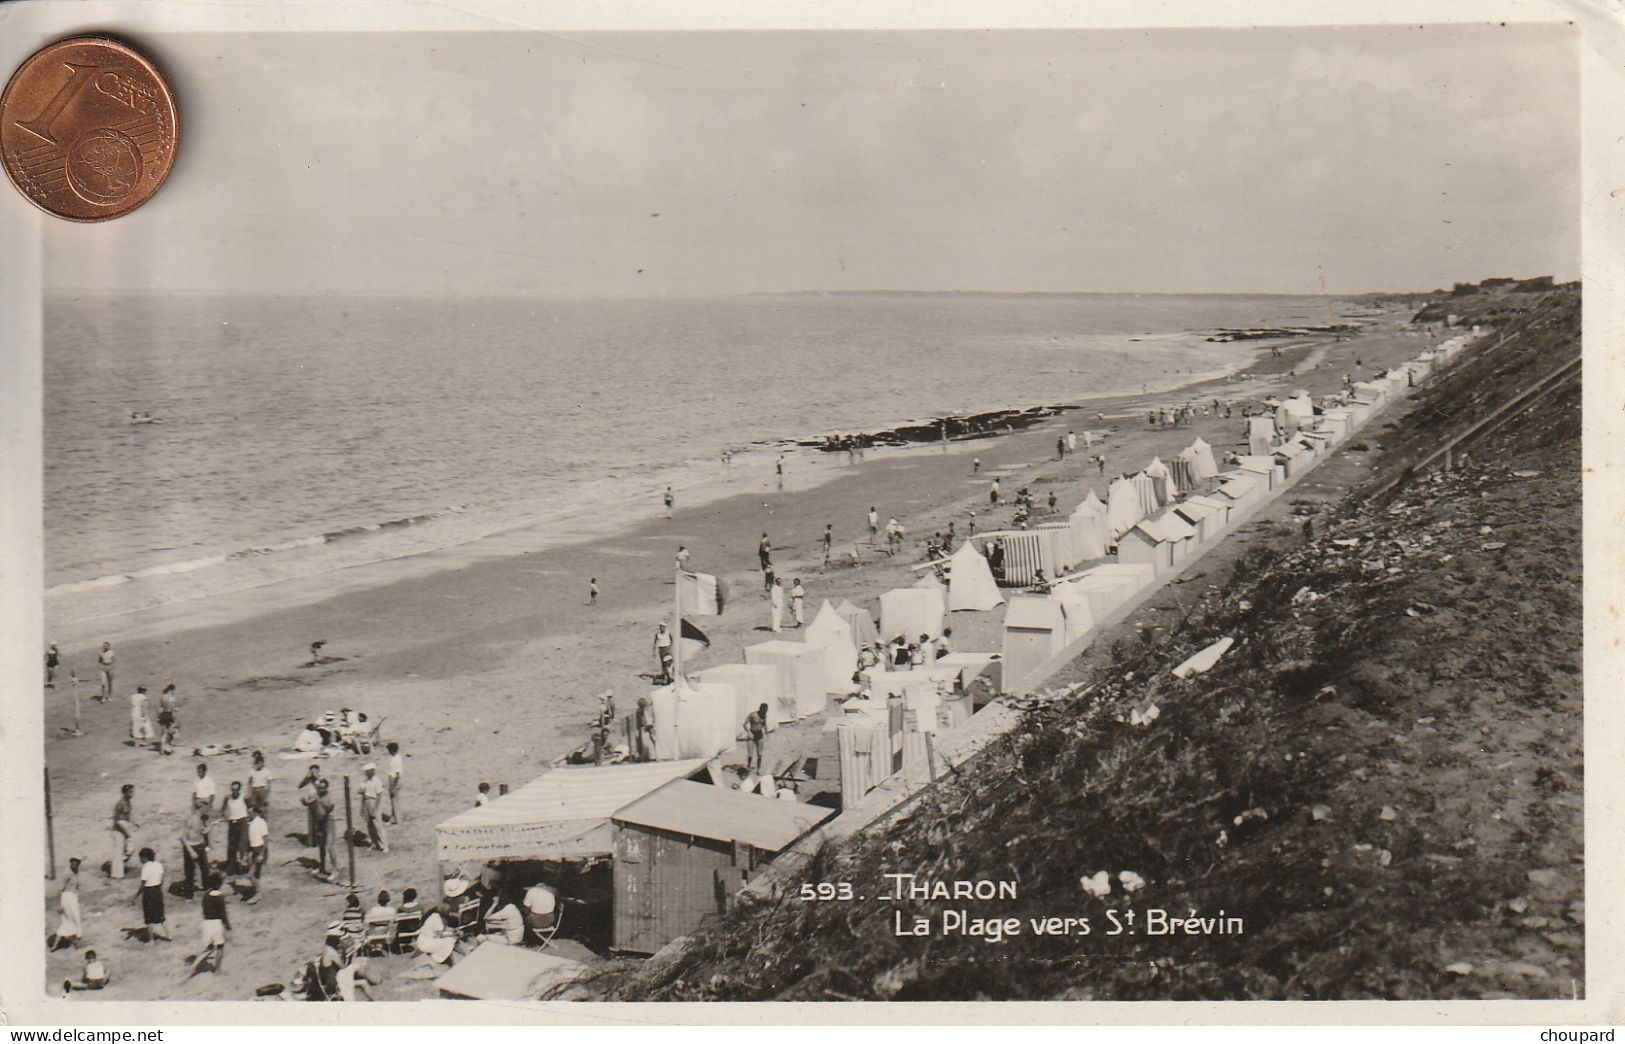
(1271, 160)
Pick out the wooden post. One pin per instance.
(50, 832)
(349, 831)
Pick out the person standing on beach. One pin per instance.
(592, 591)
(195, 850)
(124, 825)
(874, 523)
(975, 465)
(776, 595)
(203, 789)
(828, 539)
(993, 494)
(259, 784)
(169, 722)
(68, 929)
(307, 798)
(755, 738)
(646, 729)
(764, 553)
(235, 808)
(322, 817)
(1071, 442)
(663, 653)
(682, 557)
(670, 501)
(971, 530)
(140, 727)
(1060, 447)
(53, 660)
(798, 595)
(393, 771)
(372, 807)
(151, 895)
(104, 661)
(778, 467)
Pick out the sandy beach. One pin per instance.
(484, 660)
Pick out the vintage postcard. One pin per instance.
(515, 512)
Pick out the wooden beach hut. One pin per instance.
(1219, 508)
(683, 851)
(561, 815)
(1201, 513)
(1034, 631)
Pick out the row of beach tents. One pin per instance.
(1159, 521)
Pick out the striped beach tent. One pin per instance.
(1028, 550)
(1145, 491)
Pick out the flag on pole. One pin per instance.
(700, 594)
(695, 635)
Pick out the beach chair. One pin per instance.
(377, 939)
(407, 925)
(464, 914)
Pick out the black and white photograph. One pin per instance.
(866, 514)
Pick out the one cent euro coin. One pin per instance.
(88, 129)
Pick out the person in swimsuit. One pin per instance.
(104, 660)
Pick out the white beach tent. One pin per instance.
(1202, 457)
(1034, 631)
(861, 624)
(753, 684)
(1122, 507)
(970, 582)
(911, 612)
(802, 667)
(694, 720)
(1089, 534)
(562, 814)
(1260, 433)
(831, 633)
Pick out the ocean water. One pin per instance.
(300, 434)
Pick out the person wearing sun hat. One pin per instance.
(372, 806)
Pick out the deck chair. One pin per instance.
(406, 927)
(377, 939)
(464, 914)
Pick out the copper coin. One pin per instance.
(88, 129)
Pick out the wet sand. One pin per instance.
(485, 660)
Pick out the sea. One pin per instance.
(300, 434)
